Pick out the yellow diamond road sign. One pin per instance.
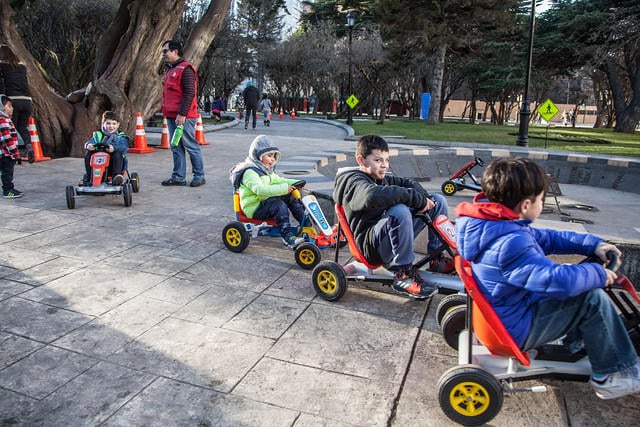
(547, 110)
(352, 101)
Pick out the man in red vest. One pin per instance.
(180, 108)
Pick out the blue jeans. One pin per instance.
(278, 208)
(396, 230)
(188, 144)
(593, 316)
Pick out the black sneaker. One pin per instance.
(12, 194)
(197, 182)
(246, 125)
(411, 284)
(292, 241)
(169, 182)
(30, 156)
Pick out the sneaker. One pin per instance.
(12, 194)
(246, 125)
(618, 384)
(117, 180)
(411, 284)
(171, 181)
(197, 182)
(442, 264)
(292, 241)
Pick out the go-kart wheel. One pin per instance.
(453, 323)
(307, 255)
(447, 303)
(329, 280)
(469, 395)
(235, 237)
(449, 188)
(135, 182)
(126, 194)
(71, 196)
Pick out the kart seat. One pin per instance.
(240, 216)
(487, 326)
(356, 253)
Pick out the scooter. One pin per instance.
(99, 183)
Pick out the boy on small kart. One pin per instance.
(538, 300)
(114, 142)
(380, 209)
(264, 194)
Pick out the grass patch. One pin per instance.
(581, 140)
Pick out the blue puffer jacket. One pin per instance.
(510, 265)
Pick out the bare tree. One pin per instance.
(126, 76)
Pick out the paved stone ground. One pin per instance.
(139, 316)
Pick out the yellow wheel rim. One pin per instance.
(233, 237)
(327, 282)
(469, 399)
(449, 188)
(306, 257)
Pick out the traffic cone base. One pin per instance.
(281, 115)
(164, 141)
(35, 142)
(140, 144)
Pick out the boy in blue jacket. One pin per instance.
(537, 299)
(116, 143)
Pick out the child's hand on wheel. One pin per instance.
(603, 248)
(611, 277)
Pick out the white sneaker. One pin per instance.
(618, 384)
(292, 241)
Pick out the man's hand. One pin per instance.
(180, 119)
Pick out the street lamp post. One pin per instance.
(351, 20)
(525, 112)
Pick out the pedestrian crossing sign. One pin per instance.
(352, 101)
(547, 109)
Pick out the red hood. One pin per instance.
(483, 209)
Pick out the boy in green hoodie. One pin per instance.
(263, 193)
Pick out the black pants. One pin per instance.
(278, 208)
(250, 113)
(116, 164)
(22, 110)
(6, 169)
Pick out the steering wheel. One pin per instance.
(613, 260)
(299, 184)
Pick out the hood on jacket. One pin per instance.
(260, 146)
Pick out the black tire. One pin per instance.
(447, 303)
(449, 188)
(71, 196)
(127, 191)
(308, 255)
(235, 237)
(469, 395)
(329, 280)
(453, 323)
(135, 182)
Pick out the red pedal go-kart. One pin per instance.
(458, 181)
(490, 362)
(100, 184)
(330, 279)
(315, 229)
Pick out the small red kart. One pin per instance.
(330, 279)
(458, 181)
(315, 229)
(100, 184)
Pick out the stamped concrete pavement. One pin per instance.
(118, 316)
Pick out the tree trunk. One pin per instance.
(627, 114)
(436, 84)
(127, 77)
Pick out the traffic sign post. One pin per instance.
(547, 111)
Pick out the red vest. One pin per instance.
(172, 92)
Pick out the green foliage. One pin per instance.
(585, 140)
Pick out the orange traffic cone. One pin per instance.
(35, 142)
(140, 144)
(200, 131)
(164, 141)
(281, 115)
(293, 113)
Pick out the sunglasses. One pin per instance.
(166, 50)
